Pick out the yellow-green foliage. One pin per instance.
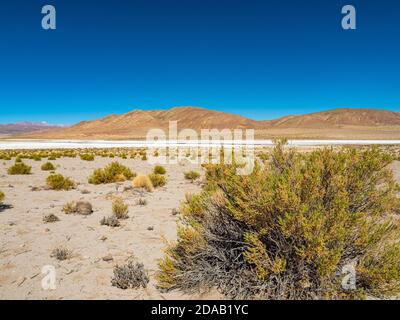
(48, 166)
(286, 230)
(59, 182)
(114, 172)
(87, 157)
(2, 196)
(19, 168)
(159, 170)
(157, 180)
(192, 175)
(143, 181)
(120, 209)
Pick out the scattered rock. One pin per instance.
(103, 238)
(85, 191)
(108, 258)
(151, 228)
(84, 208)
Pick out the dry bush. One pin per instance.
(114, 172)
(110, 221)
(157, 180)
(143, 181)
(120, 209)
(192, 175)
(19, 169)
(287, 230)
(87, 157)
(48, 166)
(61, 253)
(69, 208)
(130, 276)
(2, 196)
(159, 170)
(141, 202)
(59, 182)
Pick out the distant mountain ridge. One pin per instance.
(26, 127)
(135, 124)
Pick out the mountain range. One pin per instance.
(345, 123)
(25, 127)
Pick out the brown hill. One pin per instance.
(339, 118)
(335, 124)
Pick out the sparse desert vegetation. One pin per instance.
(192, 175)
(159, 170)
(143, 181)
(157, 180)
(19, 168)
(2, 197)
(120, 209)
(110, 221)
(59, 182)
(48, 166)
(61, 253)
(130, 276)
(87, 157)
(223, 202)
(50, 218)
(114, 172)
(80, 207)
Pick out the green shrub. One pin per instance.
(19, 169)
(59, 182)
(18, 160)
(48, 166)
(192, 175)
(159, 170)
(87, 157)
(120, 209)
(286, 231)
(157, 180)
(114, 172)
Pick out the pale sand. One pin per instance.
(27, 242)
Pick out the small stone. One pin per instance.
(108, 258)
(84, 208)
(151, 228)
(103, 238)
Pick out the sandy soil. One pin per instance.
(26, 241)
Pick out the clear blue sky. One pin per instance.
(261, 59)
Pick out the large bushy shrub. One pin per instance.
(290, 229)
(114, 172)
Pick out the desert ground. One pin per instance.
(27, 242)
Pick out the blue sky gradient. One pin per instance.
(261, 59)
